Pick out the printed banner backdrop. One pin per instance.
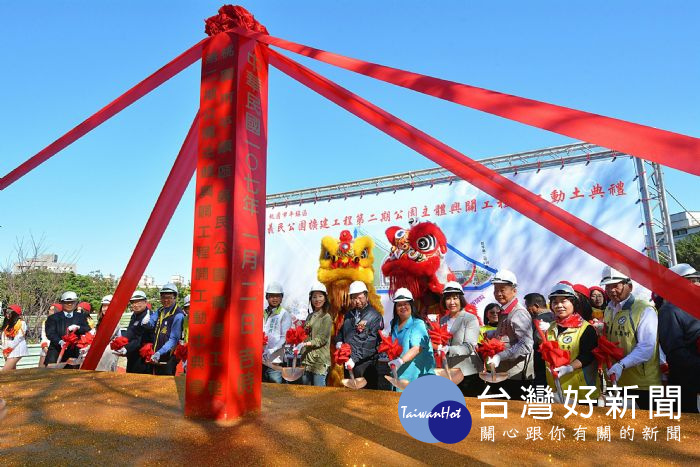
(483, 235)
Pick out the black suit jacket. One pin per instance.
(57, 324)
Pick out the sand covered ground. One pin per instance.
(61, 417)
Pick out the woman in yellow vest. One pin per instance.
(490, 320)
(575, 335)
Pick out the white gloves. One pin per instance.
(493, 361)
(93, 331)
(338, 345)
(396, 363)
(544, 325)
(350, 364)
(443, 349)
(61, 343)
(155, 358)
(615, 370)
(299, 347)
(563, 370)
(121, 352)
(73, 327)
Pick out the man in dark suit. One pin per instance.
(61, 323)
(138, 334)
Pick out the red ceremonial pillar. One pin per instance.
(225, 322)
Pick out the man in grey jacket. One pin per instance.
(515, 330)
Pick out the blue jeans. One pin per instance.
(271, 376)
(313, 379)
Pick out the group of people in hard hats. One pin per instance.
(163, 328)
(659, 341)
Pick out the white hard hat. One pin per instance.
(69, 297)
(505, 276)
(402, 295)
(685, 270)
(186, 300)
(107, 299)
(318, 287)
(138, 295)
(562, 290)
(612, 276)
(169, 288)
(274, 288)
(357, 287)
(452, 287)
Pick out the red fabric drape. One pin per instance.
(569, 227)
(671, 149)
(169, 70)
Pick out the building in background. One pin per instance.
(178, 279)
(47, 262)
(683, 224)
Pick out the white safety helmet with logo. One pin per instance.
(69, 297)
(685, 270)
(562, 290)
(107, 299)
(505, 276)
(357, 287)
(318, 287)
(138, 295)
(186, 300)
(169, 288)
(274, 288)
(452, 287)
(402, 295)
(612, 276)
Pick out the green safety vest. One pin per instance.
(570, 340)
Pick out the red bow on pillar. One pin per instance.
(390, 346)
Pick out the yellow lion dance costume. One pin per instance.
(342, 261)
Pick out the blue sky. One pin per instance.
(63, 60)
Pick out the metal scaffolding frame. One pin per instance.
(650, 187)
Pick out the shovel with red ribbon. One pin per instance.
(554, 356)
(489, 348)
(393, 350)
(440, 336)
(606, 353)
(70, 339)
(341, 356)
(295, 336)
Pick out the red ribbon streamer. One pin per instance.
(569, 227)
(175, 185)
(118, 343)
(296, 335)
(390, 346)
(665, 147)
(489, 348)
(342, 355)
(166, 72)
(439, 335)
(607, 353)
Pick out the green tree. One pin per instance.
(688, 250)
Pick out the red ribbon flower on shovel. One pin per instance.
(342, 354)
(147, 352)
(489, 348)
(439, 335)
(181, 352)
(118, 343)
(607, 353)
(551, 353)
(85, 340)
(296, 335)
(390, 346)
(70, 340)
